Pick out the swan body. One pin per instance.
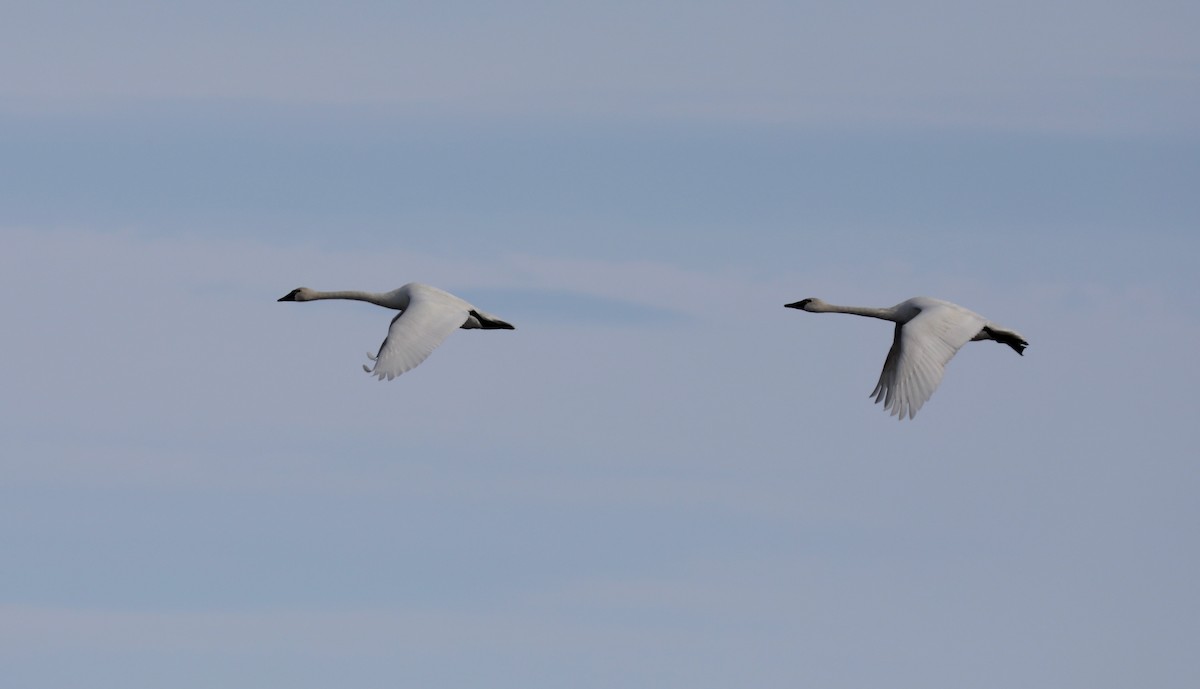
(928, 334)
(427, 316)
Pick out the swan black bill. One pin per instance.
(290, 296)
(797, 304)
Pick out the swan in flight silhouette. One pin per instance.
(928, 334)
(427, 316)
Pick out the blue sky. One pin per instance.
(662, 478)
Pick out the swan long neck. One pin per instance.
(357, 295)
(887, 314)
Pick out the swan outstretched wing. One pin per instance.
(430, 317)
(920, 351)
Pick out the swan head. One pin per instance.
(298, 294)
(813, 305)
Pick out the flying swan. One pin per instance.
(427, 316)
(928, 334)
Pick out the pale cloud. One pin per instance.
(1062, 66)
(177, 323)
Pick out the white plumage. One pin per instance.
(928, 334)
(427, 316)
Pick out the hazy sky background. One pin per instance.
(662, 478)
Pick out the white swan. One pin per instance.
(427, 316)
(928, 333)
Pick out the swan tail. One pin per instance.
(1008, 337)
(490, 322)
